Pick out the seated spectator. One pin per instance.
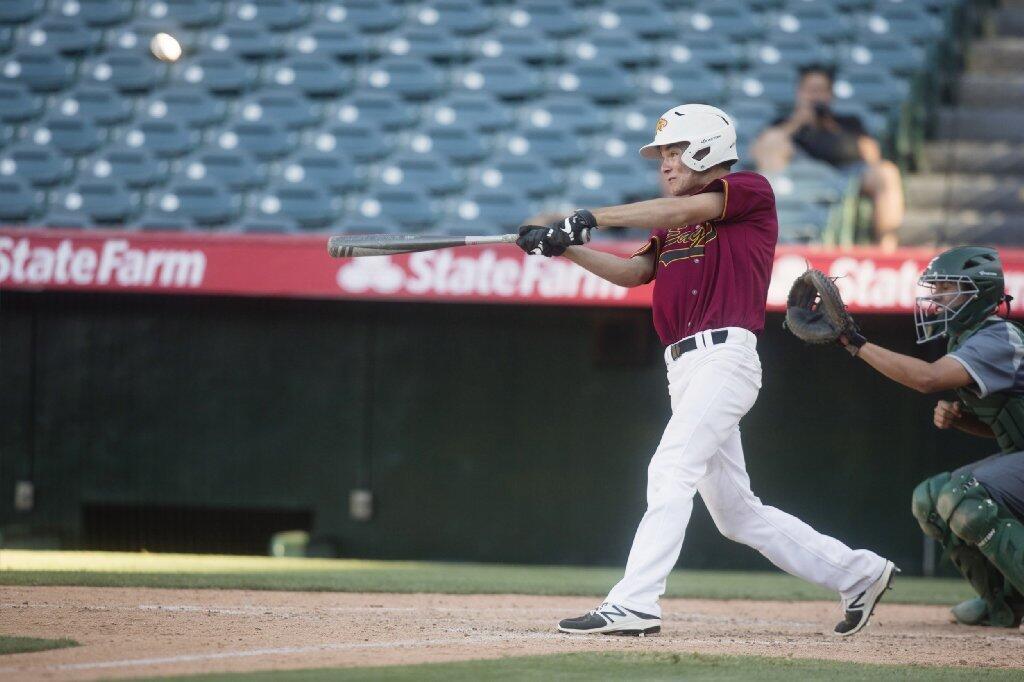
(814, 130)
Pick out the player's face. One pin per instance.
(677, 179)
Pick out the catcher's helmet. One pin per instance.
(977, 274)
(710, 132)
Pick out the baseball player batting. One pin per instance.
(710, 254)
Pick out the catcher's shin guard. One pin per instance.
(1001, 601)
(978, 520)
(922, 505)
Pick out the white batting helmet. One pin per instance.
(710, 132)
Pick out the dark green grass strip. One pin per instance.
(626, 666)
(21, 645)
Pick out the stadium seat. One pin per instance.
(238, 171)
(39, 69)
(887, 51)
(279, 105)
(261, 224)
(364, 16)
(473, 110)
(650, 110)
(460, 17)
(571, 112)
(361, 141)
(428, 172)
(501, 77)
(66, 35)
(71, 135)
(531, 176)
(189, 13)
(426, 42)
(523, 44)
(554, 17)
(818, 20)
(6, 38)
(488, 211)
(98, 103)
(875, 123)
(276, 15)
(702, 48)
(313, 75)
(908, 21)
(599, 80)
(305, 202)
(379, 108)
(220, 73)
(332, 171)
(409, 208)
(751, 116)
(458, 145)
(136, 168)
(104, 201)
(126, 70)
(870, 86)
(733, 21)
(17, 104)
(191, 106)
(645, 18)
(20, 11)
(790, 49)
(632, 176)
(18, 201)
(615, 45)
(59, 219)
(249, 40)
(204, 203)
(39, 164)
(137, 34)
(263, 139)
(699, 84)
(97, 13)
(410, 77)
(163, 137)
(357, 224)
(773, 84)
(555, 146)
(157, 221)
(337, 42)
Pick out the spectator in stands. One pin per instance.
(814, 130)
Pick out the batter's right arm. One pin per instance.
(626, 272)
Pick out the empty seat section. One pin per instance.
(885, 51)
(98, 103)
(97, 13)
(192, 107)
(126, 70)
(790, 49)
(383, 109)
(40, 165)
(264, 224)
(426, 42)
(702, 48)
(104, 201)
(336, 42)
(502, 77)
(458, 145)
(67, 35)
(360, 141)
(477, 111)
(237, 170)
(409, 208)
(615, 45)
(38, 69)
(276, 15)
(599, 80)
(726, 21)
(20, 11)
(307, 203)
(204, 203)
(523, 44)
(284, 106)
(134, 167)
(699, 84)
(330, 170)
(369, 16)
(163, 137)
(643, 17)
(18, 201)
(158, 221)
(460, 17)
(571, 112)
(556, 18)
(220, 73)
(529, 175)
(908, 21)
(410, 77)
(245, 39)
(18, 104)
(773, 84)
(488, 211)
(428, 172)
(189, 13)
(262, 139)
(315, 76)
(818, 20)
(70, 135)
(559, 147)
(871, 87)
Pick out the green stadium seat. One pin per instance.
(908, 21)
(790, 49)
(98, 103)
(818, 20)
(410, 77)
(460, 17)
(634, 177)
(137, 34)
(126, 70)
(361, 141)
(363, 16)
(570, 112)
(276, 15)
(135, 167)
(334, 172)
(459, 145)
(263, 139)
(645, 18)
(523, 44)
(724, 21)
(426, 42)
(279, 105)
(428, 172)
(39, 164)
(477, 111)
(554, 17)
(870, 86)
(315, 76)
(702, 48)
(238, 171)
(615, 45)
(558, 147)
(39, 69)
(249, 40)
(18, 201)
(337, 42)
(773, 84)
(190, 106)
(18, 104)
(531, 176)
(163, 137)
(601, 81)
(502, 77)
(381, 108)
(219, 73)
(69, 36)
(409, 208)
(20, 11)
(97, 13)
(71, 135)
(307, 203)
(700, 84)
(204, 203)
(488, 211)
(103, 201)
(887, 51)
(188, 13)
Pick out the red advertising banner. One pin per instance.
(299, 267)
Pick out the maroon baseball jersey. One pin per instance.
(716, 274)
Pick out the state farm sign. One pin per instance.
(299, 267)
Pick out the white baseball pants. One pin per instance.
(711, 388)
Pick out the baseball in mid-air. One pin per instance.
(165, 47)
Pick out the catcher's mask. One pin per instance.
(965, 286)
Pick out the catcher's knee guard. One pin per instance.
(922, 504)
(978, 520)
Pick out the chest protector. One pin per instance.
(1002, 412)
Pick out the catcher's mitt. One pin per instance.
(815, 312)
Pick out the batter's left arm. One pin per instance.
(664, 213)
(926, 377)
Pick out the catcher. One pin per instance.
(975, 512)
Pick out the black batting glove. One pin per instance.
(542, 241)
(578, 226)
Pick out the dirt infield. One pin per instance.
(143, 632)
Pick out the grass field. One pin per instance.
(623, 666)
(21, 645)
(112, 569)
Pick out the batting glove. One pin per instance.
(542, 241)
(578, 226)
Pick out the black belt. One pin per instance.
(690, 343)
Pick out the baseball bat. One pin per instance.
(388, 244)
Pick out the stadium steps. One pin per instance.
(972, 187)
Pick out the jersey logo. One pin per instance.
(683, 243)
